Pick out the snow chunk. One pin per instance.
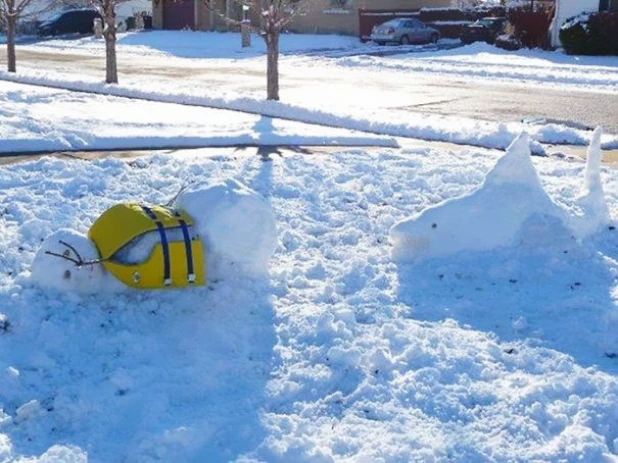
(497, 214)
(595, 211)
(64, 454)
(237, 226)
(28, 410)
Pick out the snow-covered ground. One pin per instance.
(342, 353)
(344, 116)
(477, 61)
(198, 45)
(42, 119)
(217, 72)
(421, 304)
(482, 61)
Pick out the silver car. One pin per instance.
(404, 31)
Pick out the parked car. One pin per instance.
(483, 30)
(68, 22)
(404, 31)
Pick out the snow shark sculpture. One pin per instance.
(509, 208)
(595, 212)
(235, 224)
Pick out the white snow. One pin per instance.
(339, 354)
(595, 212)
(53, 272)
(363, 92)
(237, 224)
(483, 61)
(28, 122)
(371, 121)
(509, 208)
(190, 44)
(309, 342)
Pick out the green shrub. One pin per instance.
(594, 34)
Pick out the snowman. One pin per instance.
(208, 233)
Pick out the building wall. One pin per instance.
(322, 18)
(566, 9)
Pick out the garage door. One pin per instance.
(178, 14)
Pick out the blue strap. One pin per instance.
(188, 249)
(166, 250)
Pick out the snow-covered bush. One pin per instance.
(591, 34)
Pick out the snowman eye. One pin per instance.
(67, 274)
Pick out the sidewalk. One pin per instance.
(609, 157)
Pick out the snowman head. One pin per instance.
(68, 261)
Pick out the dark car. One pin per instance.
(69, 22)
(483, 30)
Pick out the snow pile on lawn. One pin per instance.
(506, 354)
(510, 207)
(482, 61)
(197, 44)
(42, 119)
(374, 120)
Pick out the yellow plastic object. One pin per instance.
(149, 274)
(122, 223)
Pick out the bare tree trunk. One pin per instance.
(272, 67)
(109, 32)
(10, 44)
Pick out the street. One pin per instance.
(418, 92)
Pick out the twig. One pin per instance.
(79, 261)
(171, 202)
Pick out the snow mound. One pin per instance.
(595, 212)
(53, 272)
(510, 207)
(237, 226)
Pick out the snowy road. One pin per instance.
(477, 91)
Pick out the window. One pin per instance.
(604, 5)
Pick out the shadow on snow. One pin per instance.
(552, 295)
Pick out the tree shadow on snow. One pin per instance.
(555, 294)
(156, 375)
